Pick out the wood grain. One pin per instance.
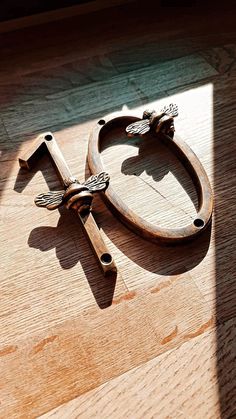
(81, 102)
(65, 330)
(78, 355)
(170, 385)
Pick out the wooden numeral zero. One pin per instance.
(130, 218)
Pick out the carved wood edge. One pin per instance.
(133, 221)
(75, 195)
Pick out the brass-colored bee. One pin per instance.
(77, 195)
(157, 122)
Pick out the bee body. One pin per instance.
(156, 122)
(76, 196)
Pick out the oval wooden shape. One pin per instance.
(129, 217)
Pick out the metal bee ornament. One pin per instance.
(77, 195)
(157, 122)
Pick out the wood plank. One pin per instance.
(81, 103)
(52, 15)
(79, 354)
(171, 385)
(63, 328)
(64, 299)
(20, 57)
(56, 78)
(222, 58)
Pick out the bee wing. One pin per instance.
(51, 200)
(138, 128)
(171, 110)
(98, 182)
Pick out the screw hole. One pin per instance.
(48, 137)
(106, 258)
(101, 122)
(198, 222)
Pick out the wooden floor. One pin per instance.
(160, 341)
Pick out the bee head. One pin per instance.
(148, 113)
